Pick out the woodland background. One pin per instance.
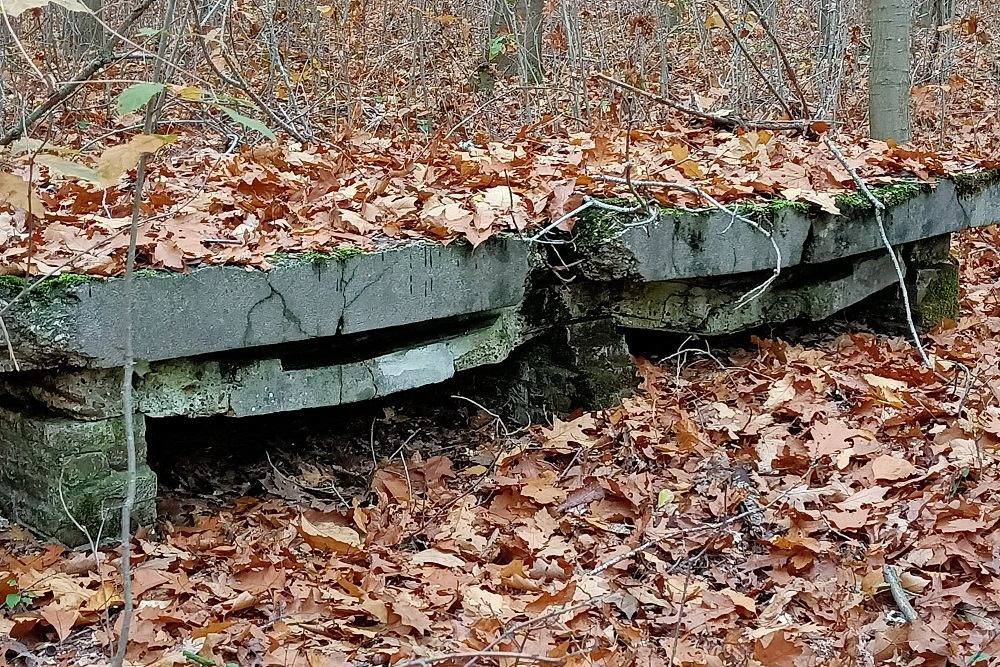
(615, 537)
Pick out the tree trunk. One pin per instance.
(934, 13)
(524, 21)
(89, 35)
(889, 70)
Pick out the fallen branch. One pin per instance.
(717, 119)
(900, 277)
(899, 595)
(879, 219)
(77, 80)
(752, 60)
(792, 78)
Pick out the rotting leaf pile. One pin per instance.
(846, 446)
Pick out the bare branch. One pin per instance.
(716, 119)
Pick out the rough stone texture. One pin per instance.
(690, 245)
(932, 283)
(241, 388)
(304, 331)
(936, 291)
(44, 454)
(699, 244)
(226, 308)
(584, 364)
(78, 393)
(710, 308)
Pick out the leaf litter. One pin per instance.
(617, 537)
(366, 191)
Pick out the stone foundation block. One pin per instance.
(57, 470)
(582, 365)
(932, 284)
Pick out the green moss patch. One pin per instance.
(890, 196)
(972, 183)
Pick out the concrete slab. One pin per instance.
(710, 310)
(690, 245)
(194, 387)
(226, 308)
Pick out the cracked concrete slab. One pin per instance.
(194, 387)
(215, 309)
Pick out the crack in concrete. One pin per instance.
(288, 315)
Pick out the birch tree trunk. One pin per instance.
(889, 75)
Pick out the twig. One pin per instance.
(899, 593)
(240, 84)
(481, 654)
(792, 78)
(879, 211)
(732, 212)
(514, 629)
(487, 411)
(717, 119)
(611, 562)
(309, 489)
(128, 402)
(752, 60)
(9, 343)
(77, 80)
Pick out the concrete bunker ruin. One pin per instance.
(318, 331)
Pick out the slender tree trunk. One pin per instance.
(90, 36)
(934, 13)
(524, 20)
(889, 75)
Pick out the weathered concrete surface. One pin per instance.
(243, 388)
(226, 308)
(711, 309)
(932, 285)
(686, 245)
(48, 460)
(228, 341)
(584, 363)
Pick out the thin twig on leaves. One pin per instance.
(732, 212)
(900, 274)
(880, 220)
(716, 119)
(481, 654)
(684, 532)
(77, 80)
(899, 595)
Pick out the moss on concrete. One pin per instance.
(891, 195)
(46, 288)
(939, 295)
(338, 254)
(972, 183)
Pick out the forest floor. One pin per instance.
(738, 510)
